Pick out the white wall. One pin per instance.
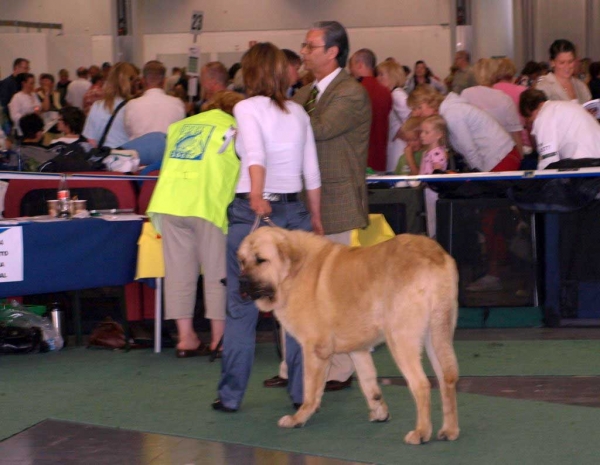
(33, 46)
(493, 29)
(86, 32)
(566, 19)
(262, 15)
(406, 44)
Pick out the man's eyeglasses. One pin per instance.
(309, 47)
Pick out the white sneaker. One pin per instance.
(485, 283)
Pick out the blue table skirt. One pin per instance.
(76, 254)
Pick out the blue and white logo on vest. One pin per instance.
(192, 141)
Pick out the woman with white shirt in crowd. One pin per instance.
(25, 101)
(391, 75)
(117, 88)
(278, 156)
(561, 84)
(493, 101)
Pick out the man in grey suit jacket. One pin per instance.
(341, 122)
(340, 115)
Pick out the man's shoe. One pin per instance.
(275, 381)
(335, 385)
(218, 405)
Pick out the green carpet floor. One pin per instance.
(143, 391)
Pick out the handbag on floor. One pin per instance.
(108, 334)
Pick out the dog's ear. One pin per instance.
(291, 255)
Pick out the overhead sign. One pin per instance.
(197, 21)
(193, 62)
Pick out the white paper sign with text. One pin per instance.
(11, 254)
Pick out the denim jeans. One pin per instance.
(242, 315)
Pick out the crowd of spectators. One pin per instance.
(304, 122)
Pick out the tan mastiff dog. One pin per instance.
(338, 299)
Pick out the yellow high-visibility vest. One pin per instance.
(196, 180)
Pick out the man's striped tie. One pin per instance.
(311, 103)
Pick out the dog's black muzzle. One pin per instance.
(252, 290)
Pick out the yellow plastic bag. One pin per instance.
(378, 231)
(150, 263)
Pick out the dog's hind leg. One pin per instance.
(443, 360)
(315, 371)
(406, 347)
(367, 377)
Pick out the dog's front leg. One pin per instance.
(315, 371)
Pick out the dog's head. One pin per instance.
(267, 258)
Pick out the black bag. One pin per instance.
(14, 339)
(70, 158)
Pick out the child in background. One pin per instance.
(433, 137)
(410, 160)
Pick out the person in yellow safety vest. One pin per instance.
(189, 209)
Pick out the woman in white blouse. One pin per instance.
(25, 101)
(561, 84)
(278, 156)
(391, 75)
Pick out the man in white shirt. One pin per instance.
(562, 129)
(154, 111)
(77, 88)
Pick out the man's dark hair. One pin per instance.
(531, 67)
(530, 100)
(292, 57)
(21, 78)
(233, 69)
(95, 78)
(18, 61)
(366, 57)
(335, 36)
(30, 125)
(595, 69)
(82, 72)
(74, 118)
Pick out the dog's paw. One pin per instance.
(379, 415)
(416, 437)
(289, 421)
(448, 434)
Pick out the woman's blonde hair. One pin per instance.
(395, 72)
(439, 124)
(485, 71)
(265, 70)
(118, 84)
(505, 70)
(425, 93)
(223, 100)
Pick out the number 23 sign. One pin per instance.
(197, 19)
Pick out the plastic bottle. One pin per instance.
(64, 198)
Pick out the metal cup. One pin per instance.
(78, 206)
(52, 208)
